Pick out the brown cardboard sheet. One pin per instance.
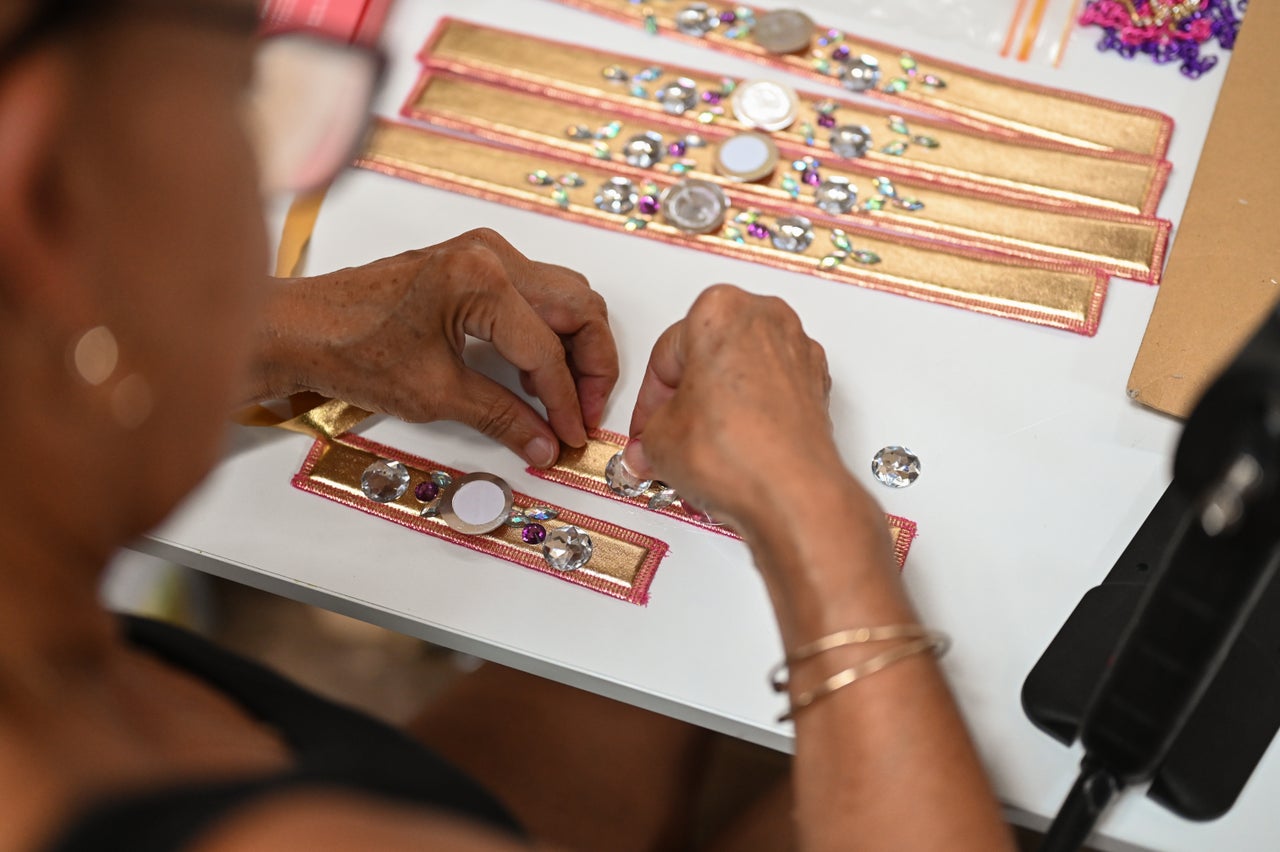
(1223, 272)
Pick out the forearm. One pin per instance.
(273, 371)
(886, 762)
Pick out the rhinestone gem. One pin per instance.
(432, 511)
(907, 63)
(832, 260)
(840, 240)
(648, 75)
(663, 499)
(615, 74)
(442, 479)
(925, 141)
(542, 513)
(910, 204)
(835, 195)
(610, 130)
(697, 19)
(635, 223)
(567, 548)
(896, 85)
(933, 81)
(896, 149)
(693, 140)
(572, 179)
(864, 256)
(516, 518)
(533, 534)
(384, 480)
(578, 131)
(897, 125)
(621, 480)
(678, 97)
(643, 150)
(426, 491)
(560, 196)
(896, 467)
(792, 233)
(617, 195)
(851, 140)
(539, 178)
(885, 187)
(873, 204)
(859, 73)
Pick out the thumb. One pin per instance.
(495, 411)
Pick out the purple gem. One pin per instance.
(677, 148)
(533, 534)
(728, 17)
(827, 121)
(812, 177)
(757, 230)
(426, 491)
(648, 205)
(840, 54)
(711, 97)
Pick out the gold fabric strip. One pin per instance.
(583, 468)
(1128, 246)
(573, 74)
(622, 562)
(976, 97)
(1058, 296)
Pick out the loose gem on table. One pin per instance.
(827, 121)
(567, 548)
(570, 179)
(616, 195)
(678, 97)
(578, 131)
(697, 19)
(426, 491)
(533, 534)
(896, 149)
(431, 511)
(911, 204)
(643, 150)
(841, 53)
(711, 97)
(708, 116)
(812, 177)
(517, 518)
(384, 481)
(678, 148)
(759, 231)
(806, 129)
(925, 141)
(873, 204)
(615, 74)
(747, 217)
(825, 107)
(650, 23)
(680, 168)
(835, 195)
(728, 17)
(792, 233)
(664, 498)
(610, 130)
(540, 178)
(542, 513)
(442, 479)
(840, 240)
(732, 233)
(639, 92)
(859, 73)
(822, 66)
(896, 467)
(933, 82)
(621, 480)
(851, 140)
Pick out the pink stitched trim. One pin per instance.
(637, 594)
(573, 479)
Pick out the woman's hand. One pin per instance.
(735, 394)
(389, 337)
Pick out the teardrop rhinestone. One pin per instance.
(873, 204)
(542, 513)
(539, 178)
(831, 261)
(895, 149)
(897, 125)
(925, 141)
(571, 179)
(648, 75)
(610, 130)
(885, 187)
(907, 63)
(578, 131)
(840, 240)
(933, 82)
(432, 511)
(896, 86)
(442, 479)
(864, 256)
(615, 74)
(911, 204)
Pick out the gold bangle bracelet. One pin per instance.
(934, 641)
(842, 638)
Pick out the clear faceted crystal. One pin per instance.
(678, 97)
(621, 480)
(384, 480)
(618, 195)
(643, 150)
(567, 548)
(850, 140)
(896, 466)
(835, 195)
(697, 19)
(664, 498)
(859, 73)
(792, 233)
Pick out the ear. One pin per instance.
(35, 94)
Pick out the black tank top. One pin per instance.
(334, 747)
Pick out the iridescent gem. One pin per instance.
(681, 168)
(539, 178)
(572, 179)
(697, 19)
(925, 141)
(747, 217)
(638, 91)
(600, 151)
(859, 73)
(907, 64)
(792, 233)
(643, 150)
(578, 131)
(542, 513)
(896, 86)
(693, 140)
(533, 534)
(851, 140)
(806, 130)
(664, 498)
(791, 186)
(560, 197)
(896, 467)
(650, 23)
(442, 479)
(825, 107)
(933, 81)
(615, 74)
(911, 204)
(822, 66)
(432, 511)
(567, 548)
(516, 519)
(426, 491)
(616, 195)
(864, 256)
(873, 204)
(610, 130)
(648, 75)
(732, 233)
(678, 97)
(895, 149)
(835, 195)
(621, 480)
(635, 224)
(885, 187)
(897, 125)
(840, 240)
(831, 261)
(384, 480)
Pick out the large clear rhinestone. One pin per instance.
(896, 466)
(621, 480)
(384, 480)
(697, 19)
(617, 195)
(643, 149)
(850, 140)
(567, 548)
(792, 233)
(835, 195)
(859, 73)
(678, 97)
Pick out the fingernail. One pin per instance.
(540, 452)
(635, 461)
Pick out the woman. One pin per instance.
(133, 316)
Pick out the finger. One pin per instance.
(526, 383)
(488, 407)
(661, 377)
(593, 358)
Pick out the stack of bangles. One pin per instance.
(919, 638)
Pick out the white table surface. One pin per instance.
(1036, 467)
